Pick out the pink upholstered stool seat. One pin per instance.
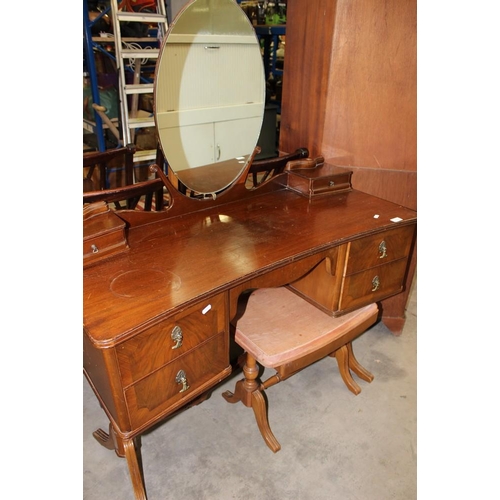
(281, 330)
(279, 327)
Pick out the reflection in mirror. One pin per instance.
(209, 94)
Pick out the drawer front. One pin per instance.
(104, 244)
(313, 186)
(160, 391)
(171, 338)
(373, 285)
(379, 249)
(329, 184)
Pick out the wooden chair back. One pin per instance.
(101, 160)
(261, 170)
(140, 195)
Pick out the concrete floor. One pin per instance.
(334, 445)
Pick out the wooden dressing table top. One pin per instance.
(175, 262)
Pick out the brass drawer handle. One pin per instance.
(182, 379)
(94, 248)
(382, 249)
(375, 284)
(177, 336)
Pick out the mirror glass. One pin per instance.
(209, 94)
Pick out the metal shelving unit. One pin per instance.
(135, 76)
(270, 37)
(96, 126)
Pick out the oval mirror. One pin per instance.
(209, 94)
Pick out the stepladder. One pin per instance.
(139, 27)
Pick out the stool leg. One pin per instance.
(260, 411)
(354, 365)
(248, 392)
(347, 361)
(342, 357)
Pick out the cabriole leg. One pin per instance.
(248, 391)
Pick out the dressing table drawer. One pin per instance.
(360, 272)
(379, 249)
(168, 340)
(373, 284)
(186, 376)
(375, 267)
(103, 233)
(315, 182)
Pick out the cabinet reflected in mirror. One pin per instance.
(209, 94)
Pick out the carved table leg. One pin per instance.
(110, 440)
(248, 392)
(134, 469)
(104, 438)
(236, 396)
(125, 448)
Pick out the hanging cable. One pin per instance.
(129, 46)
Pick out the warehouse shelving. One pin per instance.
(135, 72)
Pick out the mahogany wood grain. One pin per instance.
(157, 393)
(155, 347)
(366, 253)
(359, 288)
(251, 238)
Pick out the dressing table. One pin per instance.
(162, 287)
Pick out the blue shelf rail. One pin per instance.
(91, 67)
(270, 37)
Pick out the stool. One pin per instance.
(280, 330)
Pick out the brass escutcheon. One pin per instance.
(375, 284)
(177, 336)
(382, 248)
(182, 379)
